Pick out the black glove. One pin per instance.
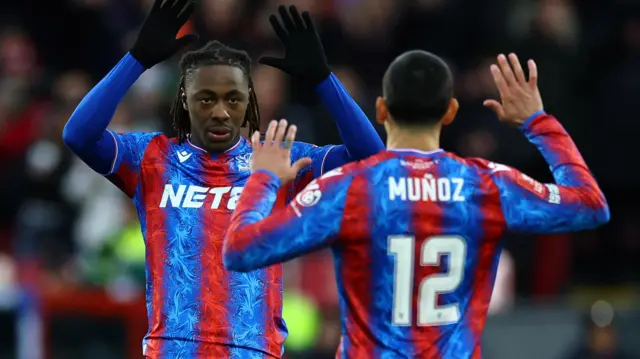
(157, 41)
(304, 56)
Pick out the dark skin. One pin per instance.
(216, 98)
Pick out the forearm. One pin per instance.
(86, 131)
(358, 134)
(258, 238)
(564, 159)
(242, 245)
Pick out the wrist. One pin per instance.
(531, 118)
(326, 83)
(139, 56)
(267, 177)
(134, 61)
(318, 78)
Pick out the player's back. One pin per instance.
(417, 256)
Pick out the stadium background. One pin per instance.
(71, 268)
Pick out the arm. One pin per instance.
(305, 60)
(573, 203)
(117, 156)
(256, 239)
(86, 131)
(358, 134)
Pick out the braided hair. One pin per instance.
(214, 53)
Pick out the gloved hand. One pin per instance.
(157, 41)
(304, 56)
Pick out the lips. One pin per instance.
(219, 134)
(220, 130)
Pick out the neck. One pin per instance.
(418, 139)
(198, 144)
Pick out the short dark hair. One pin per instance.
(417, 87)
(213, 53)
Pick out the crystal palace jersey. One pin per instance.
(416, 238)
(184, 198)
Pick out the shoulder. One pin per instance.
(297, 145)
(501, 175)
(483, 166)
(139, 139)
(352, 170)
(349, 180)
(304, 149)
(335, 182)
(133, 146)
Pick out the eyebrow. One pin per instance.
(228, 93)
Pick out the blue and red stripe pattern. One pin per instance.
(185, 197)
(416, 238)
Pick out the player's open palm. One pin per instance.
(274, 154)
(520, 98)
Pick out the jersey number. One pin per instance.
(433, 248)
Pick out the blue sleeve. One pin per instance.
(127, 164)
(86, 131)
(574, 202)
(318, 155)
(257, 239)
(358, 134)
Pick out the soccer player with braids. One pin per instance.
(214, 53)
(186, 187)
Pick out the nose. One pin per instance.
(219, 112)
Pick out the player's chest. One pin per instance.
(196, 185)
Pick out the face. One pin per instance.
(216, 98)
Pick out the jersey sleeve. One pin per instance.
(311, 221)
(86, 131)
(130, 149)
(318, 155)
(574, 202)
(358, 134)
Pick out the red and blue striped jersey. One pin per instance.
(184, 197)
(416, 238)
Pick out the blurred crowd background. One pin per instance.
(72, 255)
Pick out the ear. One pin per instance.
(382, 113)
(183, 99)
(451, 112)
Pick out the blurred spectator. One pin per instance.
(121, 256)
(600, 339)
(303, 322)
(22, 113)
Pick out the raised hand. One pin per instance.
(304, 56)
(520, 98)
(274, 155)
(157, 41)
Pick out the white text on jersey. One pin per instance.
(427, 189)
(194, 196)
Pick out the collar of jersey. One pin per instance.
(413, 151)
(236, 149)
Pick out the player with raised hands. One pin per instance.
(186, 187)
(416, 231)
